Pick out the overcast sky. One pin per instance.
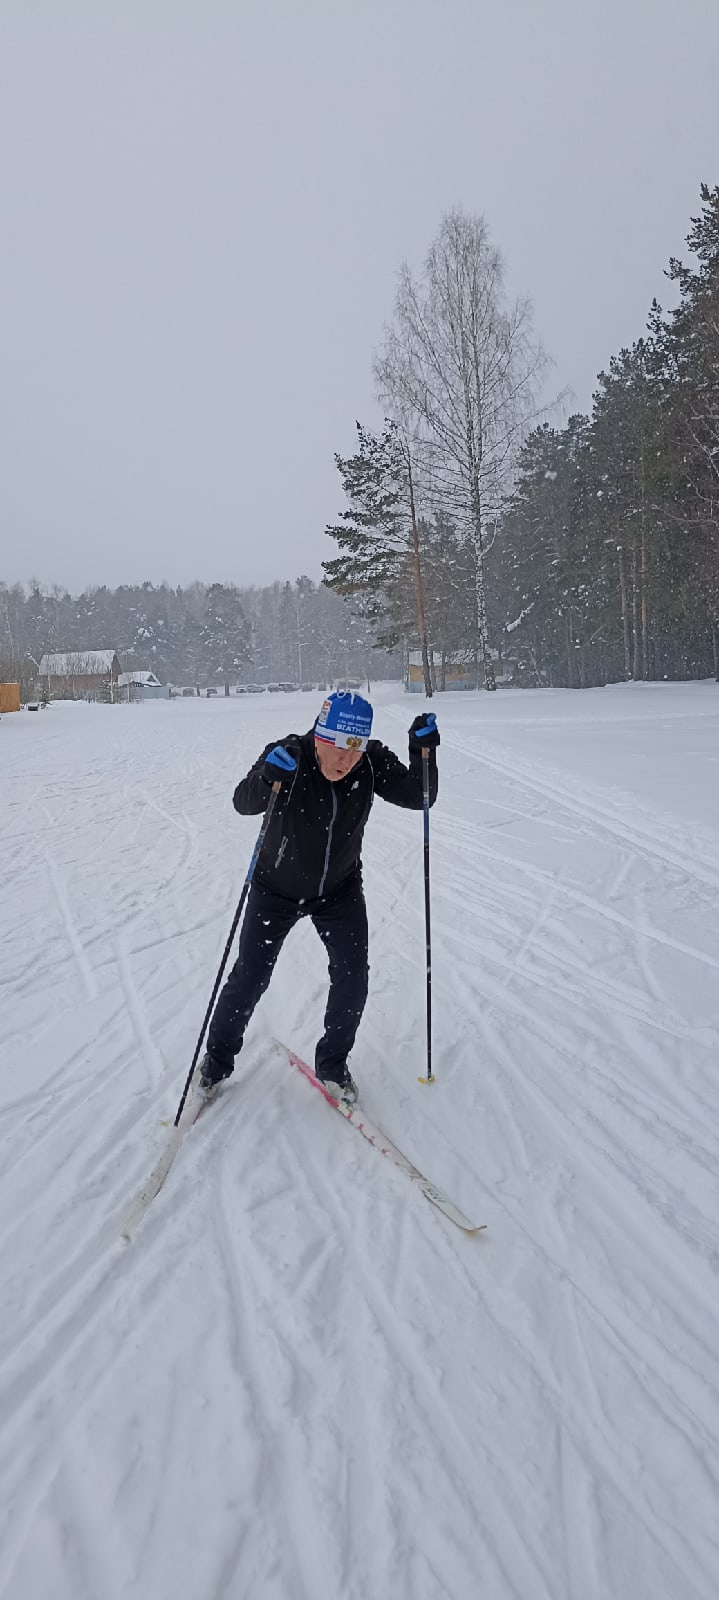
(203, 208)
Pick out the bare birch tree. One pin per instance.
(462, 371)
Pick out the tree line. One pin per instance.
(475, 527)
(201, 635)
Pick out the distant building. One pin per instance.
(80, 675)
(142, 686)
(457, 674)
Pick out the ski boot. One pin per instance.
(210, 1078)
(338, 1082)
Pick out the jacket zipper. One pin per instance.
(329, 842)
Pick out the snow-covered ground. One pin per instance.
(300, 1382)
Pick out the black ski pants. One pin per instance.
(341, 922)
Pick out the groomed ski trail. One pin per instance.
(296, 1356)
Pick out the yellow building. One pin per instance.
(457, 674)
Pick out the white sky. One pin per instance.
(203, 207)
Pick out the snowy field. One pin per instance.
(299, 1382)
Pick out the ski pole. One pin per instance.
(428, 930)
(235, 920)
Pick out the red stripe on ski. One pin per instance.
(379, 1141)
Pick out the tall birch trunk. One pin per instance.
(419, 592)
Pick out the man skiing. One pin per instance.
(310, 866)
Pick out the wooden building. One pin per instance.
(80, 675)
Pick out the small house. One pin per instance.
(142, 685)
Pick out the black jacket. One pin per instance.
(314, 839)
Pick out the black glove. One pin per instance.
(424, 733)
(279, 766)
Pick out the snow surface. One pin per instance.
(300, 1382)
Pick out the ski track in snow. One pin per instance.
(300, 1382)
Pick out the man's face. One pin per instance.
(333, 763)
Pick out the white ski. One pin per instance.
(194, 1106)
(374, 1136)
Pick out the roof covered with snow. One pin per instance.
(79, 662)
(143, 680)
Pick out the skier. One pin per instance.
(310, 866)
